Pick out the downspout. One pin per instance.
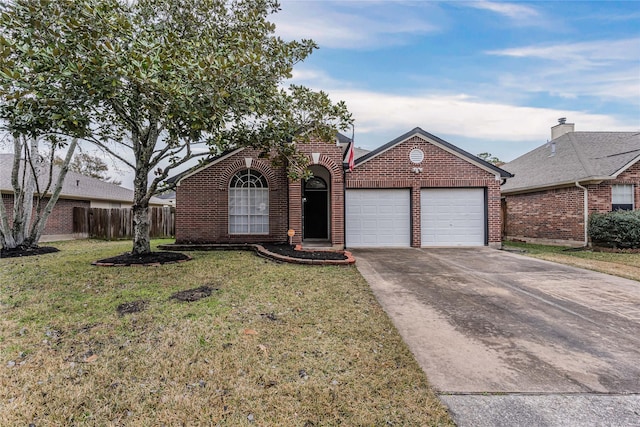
(344, 206)
(586, 213)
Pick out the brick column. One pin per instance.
(416, 229)
(295, 210)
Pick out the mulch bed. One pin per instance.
(290, 251)
(153, 258)
(19, 252)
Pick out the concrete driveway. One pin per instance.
(510, 340)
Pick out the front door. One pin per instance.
(316, 209)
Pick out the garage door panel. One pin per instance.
(453, 217)
(378, 218)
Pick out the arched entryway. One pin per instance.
(316, 207)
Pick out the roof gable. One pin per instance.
(438, 142)
(574, 157)
(176, 179)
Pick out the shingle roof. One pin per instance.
(579, 156)
(344, 141)
(75, 186)
(439, 142)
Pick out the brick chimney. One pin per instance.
(561, 128)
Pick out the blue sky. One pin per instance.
(486, 76)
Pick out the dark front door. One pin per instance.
(316, 209)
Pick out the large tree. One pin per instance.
(166, 75)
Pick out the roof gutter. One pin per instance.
(534, 188)
(586, 212)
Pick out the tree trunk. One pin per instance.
(23, 182)
(27, 166)
(144, 144)
(41, 218)
(141, 239)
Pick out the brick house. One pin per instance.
(417, 190)
(556, 186)
(77, 191)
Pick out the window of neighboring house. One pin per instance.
(248, 203)
(622, 197)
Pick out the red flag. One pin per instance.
(351, 160)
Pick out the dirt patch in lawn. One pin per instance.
(20, 252)
(153, 258)
(290, 251)
(131, 307)
(195, 294)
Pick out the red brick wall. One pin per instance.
(60, 222)
(202, 199)
(440, 169)
(559, 214)
(330, 159)
(600, 194)
(553, 215)
(202, 202)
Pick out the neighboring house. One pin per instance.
(417, 190)
(77, 191)
(168, 198)
(556, 186)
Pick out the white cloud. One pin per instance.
(339, 24)
(474, 125)
(510, 10)
(586, 54)
(461, 115)
(605, 69)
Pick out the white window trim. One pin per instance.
(246, 185)
(632, 195)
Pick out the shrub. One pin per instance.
(619, 229)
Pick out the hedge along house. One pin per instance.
(559, 184)
(417, 190)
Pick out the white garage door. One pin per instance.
(452, 216)
(378, 218)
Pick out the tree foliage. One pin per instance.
(89, 165)
(488, 157)
(162, 76)
(39, 109)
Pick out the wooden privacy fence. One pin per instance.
(112, 224)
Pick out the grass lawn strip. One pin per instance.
(273, 344)
(625, 265)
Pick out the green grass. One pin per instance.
(276, 344)
(618, 264)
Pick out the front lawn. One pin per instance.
(274, 344)
(618, 264)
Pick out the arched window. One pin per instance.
(248, 203)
